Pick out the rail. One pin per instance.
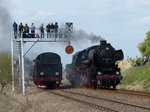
(130, 92)
(85, 102)
(104, 99)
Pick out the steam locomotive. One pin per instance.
(96, 66)
(47, 70)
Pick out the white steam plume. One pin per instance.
(5, 26)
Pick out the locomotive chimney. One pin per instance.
(103, 42)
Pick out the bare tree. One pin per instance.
(5, 71)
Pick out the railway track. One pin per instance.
(128, 107)
(128, 92)
(103, 109)
(138, 93)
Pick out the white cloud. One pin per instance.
(142, 21)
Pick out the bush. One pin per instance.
(5, 70)
(144, 47)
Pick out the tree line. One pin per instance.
(144, 47)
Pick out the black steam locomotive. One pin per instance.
(47, 70)
(96, 67)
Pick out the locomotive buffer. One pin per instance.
(18, 54)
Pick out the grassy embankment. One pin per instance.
(136, 78)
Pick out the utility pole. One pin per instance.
(12, 64)
(22, 67)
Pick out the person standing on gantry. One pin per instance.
(26, 31)
(52, 30)
(56, 29)
(48, 30)
(41, 28)
(32, 30)
(21, 28)
(15, 28)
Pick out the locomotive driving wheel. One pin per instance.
(93, 85)
(99, 85)
(114, 85)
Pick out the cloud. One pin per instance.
(142, 21)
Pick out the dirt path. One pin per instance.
(42, 100)
(37, 100)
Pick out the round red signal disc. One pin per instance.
(69, 49)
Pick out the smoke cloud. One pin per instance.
(79, 40)
(79, 35)
(5, 26)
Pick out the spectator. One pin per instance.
(145, 60)
(137, 62)
(41, 28)
(21, 27)
(56, 29)
(52, 30)
(48, 30)
(15, 28)
(32, 30)
(149, 59)
(128, 58)
(26, 31)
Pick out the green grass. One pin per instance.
(137, 75)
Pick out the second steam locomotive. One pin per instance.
(96, 66)
(47, 70)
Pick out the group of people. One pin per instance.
(29, 32)
(52, 30)
(145, 60)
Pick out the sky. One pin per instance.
(123, 23)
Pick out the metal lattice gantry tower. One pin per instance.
(18, 54)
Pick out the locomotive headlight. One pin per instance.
(107, 48)
(42, 73)
(99, 73)
(117, 73)
(57, 73)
